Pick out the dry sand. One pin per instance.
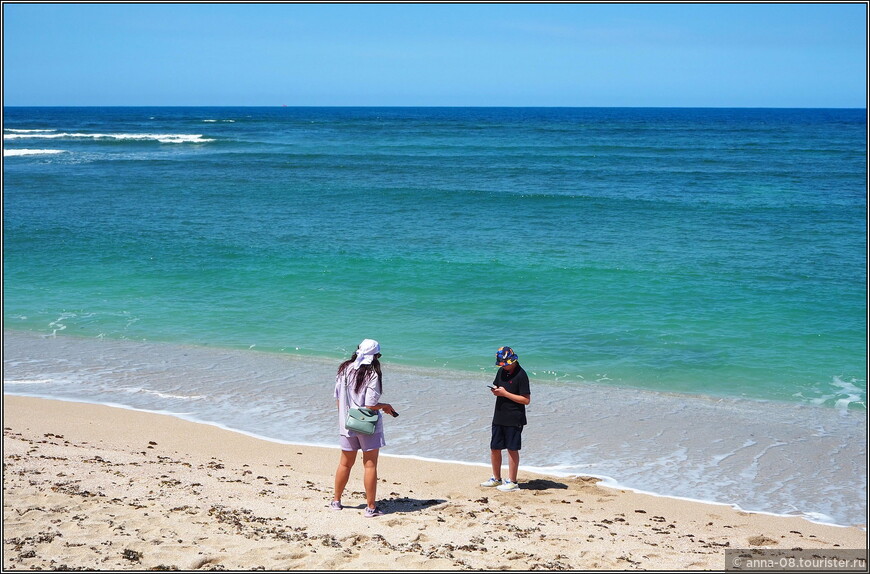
(96, 487)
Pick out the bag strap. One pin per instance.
(347, 394)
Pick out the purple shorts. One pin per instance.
(366, 442)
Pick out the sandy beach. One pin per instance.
(97, 487)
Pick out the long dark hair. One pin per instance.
(363, 373)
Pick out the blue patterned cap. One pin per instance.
(505, 356)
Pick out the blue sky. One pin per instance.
(673, 55)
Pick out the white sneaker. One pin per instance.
(491, 482)
(508, 486)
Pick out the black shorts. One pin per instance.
(503, 437)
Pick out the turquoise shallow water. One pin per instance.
(717, 252)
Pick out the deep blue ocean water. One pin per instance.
(714, 254)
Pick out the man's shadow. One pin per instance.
(543, 484)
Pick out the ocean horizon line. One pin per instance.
(414, 106)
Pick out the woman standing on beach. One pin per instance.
(358, 382)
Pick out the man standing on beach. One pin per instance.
(511, 389)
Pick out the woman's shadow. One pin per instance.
(405, 504)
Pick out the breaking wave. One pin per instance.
(162, 138)
(15, 152)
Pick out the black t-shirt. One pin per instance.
(507, 412)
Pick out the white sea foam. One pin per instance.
(162, 138)
(17, 152)
(852, 391)
(17, 131)
(159, 394)
(846, 393)
(27, 382)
